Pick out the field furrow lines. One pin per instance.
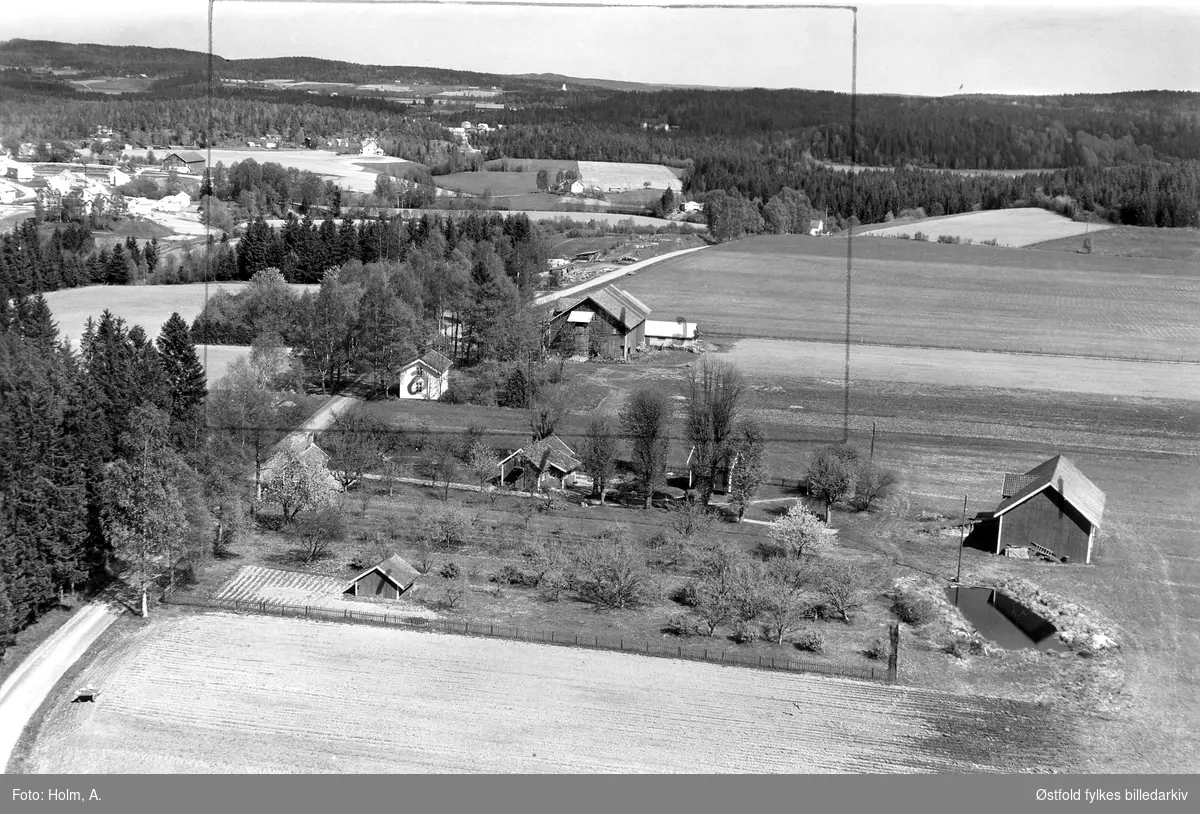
(195, 691)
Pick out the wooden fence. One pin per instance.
(864, 672)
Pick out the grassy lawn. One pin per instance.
(907, 293)
(500, 183)
(1133, 241)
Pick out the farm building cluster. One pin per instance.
(611, 323)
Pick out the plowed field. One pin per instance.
(227, 693)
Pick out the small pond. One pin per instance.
(1005, 621)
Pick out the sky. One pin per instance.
(1012, 47)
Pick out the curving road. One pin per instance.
(28, 686)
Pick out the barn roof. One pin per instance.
(620, 305)
(187, 156)
(550, 451)
(394, 569)
(1059, 474)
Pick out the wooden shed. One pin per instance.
(548, 463)
(188, 161)
(386, 580)
(1052, 510)
(607, 322)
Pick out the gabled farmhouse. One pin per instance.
(389, 579)
(425, 377)
(548, 463)
(606, 322)
(187, 161)
(1052, 510)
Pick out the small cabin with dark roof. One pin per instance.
(425, 377)
(389, 579)
(1052, 510)
(548, 463)
(606, 322)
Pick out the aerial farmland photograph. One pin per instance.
(422, 389)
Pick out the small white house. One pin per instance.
(271, 145)
(371, 147)
(688, 207)
(425, 377)
(174, 203)
(118, 177)
(816, 227)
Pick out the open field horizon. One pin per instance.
(1014, 228)
(921, 294)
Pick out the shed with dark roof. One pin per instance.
(1052, 510)
(388, 579)
(541, 464)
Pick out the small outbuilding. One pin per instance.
(389, 579)
(724, 479)
(548, 463)
(661, 333)
(425, 377)
(1052, 510)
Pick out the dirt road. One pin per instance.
(27, 688)
(607, 277)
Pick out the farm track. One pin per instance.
(223, 693)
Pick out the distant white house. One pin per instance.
(15, 170)
(118, 177)
(575, 187)
(688, 207)
(425, 377)
(816, 227)
(174, 203)
(371, 147)
(251, 143)
(271, 145)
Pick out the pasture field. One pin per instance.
(530, 166)
(240, 694)
(347, 170)
(913, 294)
(500, 183)
(146, 305)
(605, 174)
(1133, 241)
(1013, 228)
(113, 84)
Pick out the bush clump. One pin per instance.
(812, 641)
(913, 610)
(877, 650)
(450, 570)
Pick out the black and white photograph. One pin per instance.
(565, 388)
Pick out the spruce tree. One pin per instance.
(185, 378)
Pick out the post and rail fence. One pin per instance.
(488, 630)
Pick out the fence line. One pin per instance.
(489, 630)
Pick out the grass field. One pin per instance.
(145, 305)
(500, 183)
(605, 174)
(230, 694)
(1008, 227)
(1134, 241)
(347, 170)
(913, 294)
(113, 84)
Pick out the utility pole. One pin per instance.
(962, 539)
(872, 441)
